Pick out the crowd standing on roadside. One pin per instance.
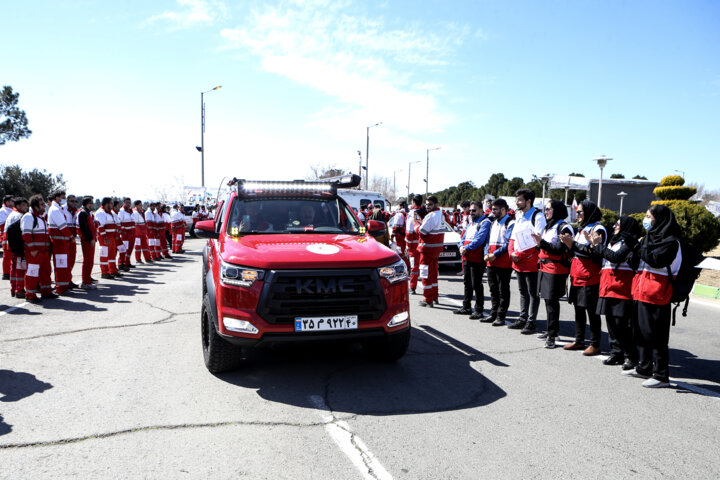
(39, 240)
(624, 276)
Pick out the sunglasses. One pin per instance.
(473, 209)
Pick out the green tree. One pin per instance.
(639, 177)
(13, 122)
(617, 175)
(15, 181)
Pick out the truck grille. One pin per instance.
(317, 293)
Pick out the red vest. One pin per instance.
(477, 255)
(497, 240)
(584, 271)
(616, 280)
(551, 263)
(651, 285)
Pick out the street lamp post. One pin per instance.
(427, 169)
(622, 196)
(394, 184)
(682, 172)
(202, 134)
(601, 161)
(367, 152)
(408, 185)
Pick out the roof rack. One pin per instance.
(322, 187)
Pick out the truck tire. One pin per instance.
(388, 349)
(219, 355)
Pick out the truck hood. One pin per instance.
(288, 251)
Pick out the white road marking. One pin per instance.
(11, 309)
(350, 444)
(705, 304)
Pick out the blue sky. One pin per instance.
(112, 89)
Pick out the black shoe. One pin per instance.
(517, 324)
(93, 280)
(477, 316)
(423, 303)
(628, 365)
(436, 302)
(613, 360)
(168, 257)
(550, 343)
(106, 276)
(488, 319)
(118, 275)
(34, 301)
(413, 292)
(463, 311)
(50, 296)
(130, 266)
(543, 336)
(500, 322)
(6, 276)
(529, 329)
(74, 285)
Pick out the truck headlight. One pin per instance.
(397, 272)
(239, 276)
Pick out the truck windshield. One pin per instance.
(291, 215)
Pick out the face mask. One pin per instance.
(63, 202)
(647, 224)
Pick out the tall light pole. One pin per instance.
(367, 151)
(394, 184)
(601, 161)
(410, 164)
(202, 134)
(545, 179)
(622, 196)
(427, 168)
(682, 172)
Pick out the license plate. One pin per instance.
(324, 324)
(448, 254)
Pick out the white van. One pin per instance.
(359, 199)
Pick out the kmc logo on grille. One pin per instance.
(318, 285)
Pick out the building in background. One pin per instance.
(639, 194)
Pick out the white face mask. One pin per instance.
(63, 202)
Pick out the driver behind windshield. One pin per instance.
(307, 215)
(252, 220)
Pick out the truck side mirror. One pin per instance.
(206, 229)
(376, 228)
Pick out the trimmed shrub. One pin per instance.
(699, 226)
(608, 219)
(675, 192)
(672, 181)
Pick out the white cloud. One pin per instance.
(373, 70)
(192, 13)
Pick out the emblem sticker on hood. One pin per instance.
(322, 249)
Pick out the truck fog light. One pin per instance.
(242, 326)
(398, 319)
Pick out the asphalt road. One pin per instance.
(111, 384)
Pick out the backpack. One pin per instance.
(14, 237)
(687, 275)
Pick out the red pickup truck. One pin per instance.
(289, 261)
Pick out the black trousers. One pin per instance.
(581, 316)
(499, 283)
(552, 309)
(620, 334)
(652, 334)
(473, 273)
(529, 296)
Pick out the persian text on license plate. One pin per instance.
(324, 324)
(448, 254)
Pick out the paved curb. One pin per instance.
(705, 291)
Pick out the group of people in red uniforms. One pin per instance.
(626, 275)
(40, 238)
